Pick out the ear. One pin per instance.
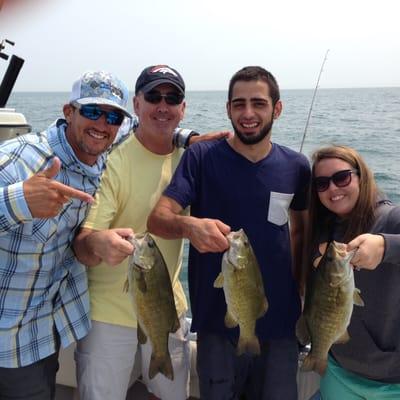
(277, 109)
(68, 110)
(228, 109)
(183, 108)
(135, 104)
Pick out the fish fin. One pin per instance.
(219, 282)
(344, 338)
(142, 338)
(248, 345)
(302, 331)
(263, 307)
(161, 364)
(358, 301)
(312, 363)
(230, 321)
(126, 286)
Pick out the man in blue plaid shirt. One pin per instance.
(46, 183)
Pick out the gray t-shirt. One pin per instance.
(374, 348)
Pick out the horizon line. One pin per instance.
(225, 90)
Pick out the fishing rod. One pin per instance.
(312, 101)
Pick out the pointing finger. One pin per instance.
(68, 191)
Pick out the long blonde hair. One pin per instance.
(362, 215)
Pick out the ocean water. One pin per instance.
(365, 119)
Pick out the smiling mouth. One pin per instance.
(96, 135)
(161, 119)
(337, 197)
(249, 125)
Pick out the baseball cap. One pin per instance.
(100, 87)
(157, 75)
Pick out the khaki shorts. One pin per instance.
(106, 356)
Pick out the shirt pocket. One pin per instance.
(278, 211)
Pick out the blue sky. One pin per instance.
(206, 41)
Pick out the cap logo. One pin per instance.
(101, 89)
(163, 70)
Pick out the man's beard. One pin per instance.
(84, 148)
(254, 139)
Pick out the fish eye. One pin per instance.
(151, 243)
(246, 243)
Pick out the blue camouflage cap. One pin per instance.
(100, 87)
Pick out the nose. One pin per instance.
(162, 106)
(101, 123)
(334, 186)
(248, 111)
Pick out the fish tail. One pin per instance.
(161, 364)
(248, 345)
(312, 363)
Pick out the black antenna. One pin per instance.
(312, 101)
(11, 74)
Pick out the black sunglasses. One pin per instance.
(155, 97)
(94, 112)
(340, 179)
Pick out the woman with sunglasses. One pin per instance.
(346, 206)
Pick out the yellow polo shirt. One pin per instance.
(130, 187)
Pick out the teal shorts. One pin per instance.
(337, 383)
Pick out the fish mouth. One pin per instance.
(237, 262)
(343, 271)
(339, 278)
(141, 267)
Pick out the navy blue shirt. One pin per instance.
(217, 182)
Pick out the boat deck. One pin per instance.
(308, 382)
(136, 392)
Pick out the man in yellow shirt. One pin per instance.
(137, 172)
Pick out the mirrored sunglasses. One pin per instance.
(340, 179)
(94, 112)
(155, 97)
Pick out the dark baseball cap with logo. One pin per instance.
(157, 75)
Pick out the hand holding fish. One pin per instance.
(370, 250)
(45, 196)
(111, 245)
(207, 235)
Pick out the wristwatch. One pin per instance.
(182, 137)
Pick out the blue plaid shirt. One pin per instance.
(43, 289)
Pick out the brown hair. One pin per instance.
(362, 215)
(255, 73)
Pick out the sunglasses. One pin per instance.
(155, 97)
(94, 112)
(340, 179)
